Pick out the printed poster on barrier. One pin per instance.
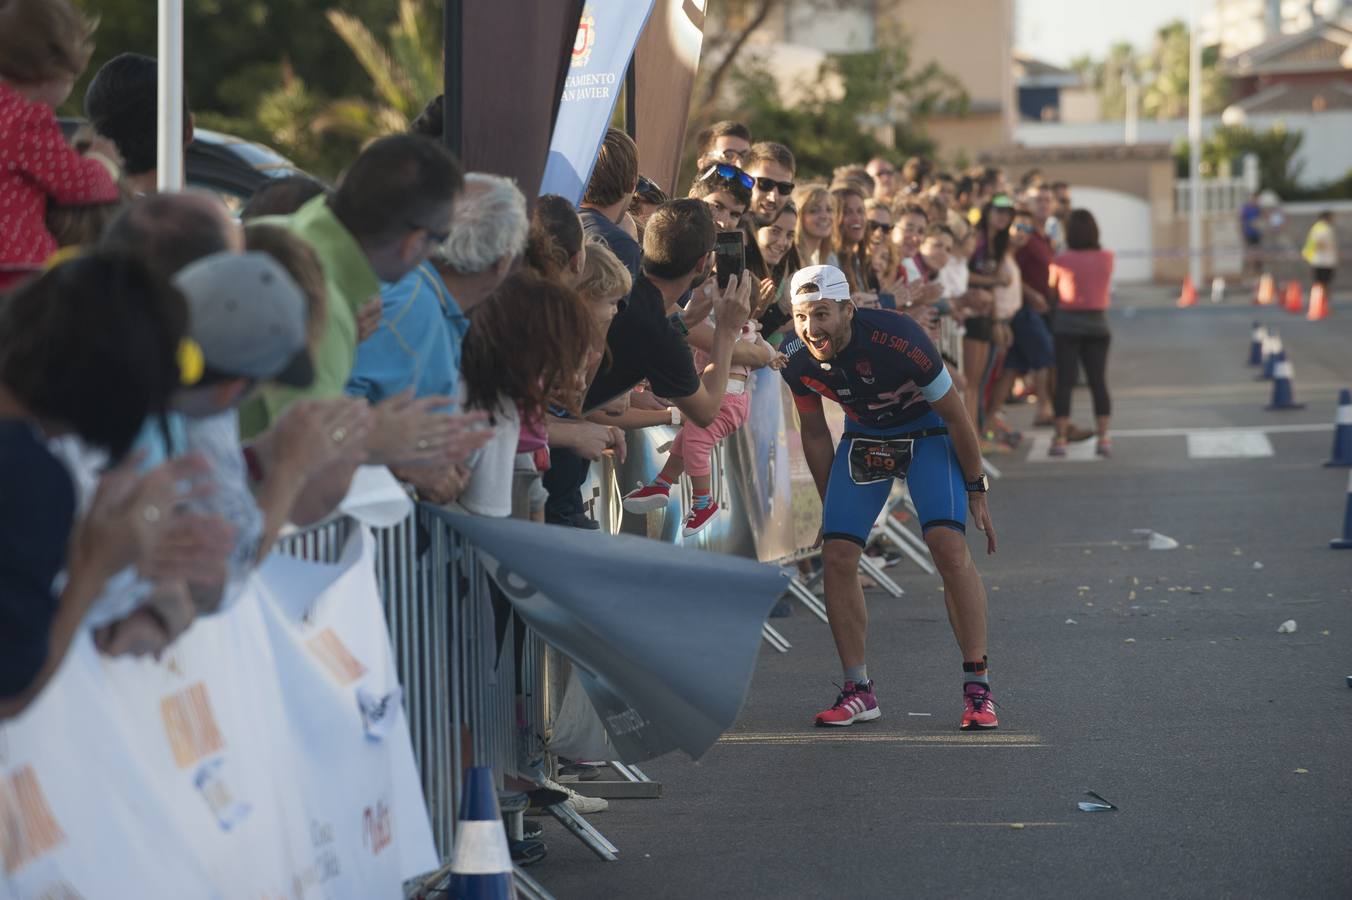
(264, 755)
(605, 42)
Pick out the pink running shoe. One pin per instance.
(978, 708)
(698, 519)
(647, 498)
(856, 703)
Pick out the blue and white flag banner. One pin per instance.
(606, 37)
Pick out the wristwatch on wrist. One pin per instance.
(678, 323)
(675, 416)
(979, 485)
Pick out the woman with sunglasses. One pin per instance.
(816, 225)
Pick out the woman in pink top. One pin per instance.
(1080, 277)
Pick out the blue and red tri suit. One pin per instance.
(884, 380)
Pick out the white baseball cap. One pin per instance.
(819, 283)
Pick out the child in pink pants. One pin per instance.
(692, 451)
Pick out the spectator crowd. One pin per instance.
(179, 385)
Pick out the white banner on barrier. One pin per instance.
(265, 756)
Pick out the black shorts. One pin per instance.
(978, 328)
(1323, 275)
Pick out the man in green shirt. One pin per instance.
(391, 210)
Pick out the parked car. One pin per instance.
(228, 165)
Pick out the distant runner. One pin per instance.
(905, 420)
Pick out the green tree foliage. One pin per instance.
(1162, 71)
(1227, 146)
(314, 83)
(1166, 97)
(855, 101)
(236, 50)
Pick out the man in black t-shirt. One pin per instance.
(647, 340)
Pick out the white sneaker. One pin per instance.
(578, 803)
(584, 805)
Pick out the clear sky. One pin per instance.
(1058, 30)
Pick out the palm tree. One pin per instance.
(404, 75)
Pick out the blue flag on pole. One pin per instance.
(606, 37)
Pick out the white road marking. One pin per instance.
(1219, 442)
(1184, 432)
(1228, 444)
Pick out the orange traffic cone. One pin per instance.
(1294, 298)
(1189, 295)
(1266, 294)
(1319, 303)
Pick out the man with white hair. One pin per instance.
(423, 314)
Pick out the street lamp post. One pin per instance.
(1132, 87)
(169, 97)
(1195, 144)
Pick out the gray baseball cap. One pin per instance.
(248, 315)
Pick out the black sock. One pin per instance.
(975, 673)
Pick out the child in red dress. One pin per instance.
(44, 46)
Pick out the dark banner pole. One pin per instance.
(631, 97)
(453, 49)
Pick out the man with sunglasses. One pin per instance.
(391, 211)
(904, 419)
(771, 167)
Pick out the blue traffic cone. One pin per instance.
(481, 868)
(1345, 542)
(1283, 393)
(1256, 345)
(1342, 431)
(1272, 348)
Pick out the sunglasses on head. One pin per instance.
(1025, 229)
(647, 189)
(878, 226)
(769, 184)
(728, 172)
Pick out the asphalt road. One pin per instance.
(1226, 745)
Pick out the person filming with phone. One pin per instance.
(725, 194)
(647, 340)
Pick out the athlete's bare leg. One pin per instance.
(964, 592)
(845, 600)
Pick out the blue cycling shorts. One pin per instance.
(935, 480)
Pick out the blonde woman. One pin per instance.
(816, 225)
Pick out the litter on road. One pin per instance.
(1097, 804)
(1156, 541)
(1287, 627)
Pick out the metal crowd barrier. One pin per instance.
(950, 339)
(460, 680)
(466, 699)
